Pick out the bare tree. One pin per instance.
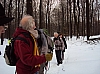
(71, 17)
(70, 5)
(29, 7)
(87, 19)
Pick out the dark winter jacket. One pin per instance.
(59, 44)
(64, 42)
(24, 53)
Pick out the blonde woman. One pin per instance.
(58, 47)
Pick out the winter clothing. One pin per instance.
(43, 47)
(58, 56)
(59, 46)
(65, 47)
(65, 44)
(44, 42)
(48, 56)
(3, 18)
(28, 61)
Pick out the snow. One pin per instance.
(4, 68)
(80, 58)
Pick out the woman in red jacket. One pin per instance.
(28, 59)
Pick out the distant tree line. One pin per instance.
(70, 17)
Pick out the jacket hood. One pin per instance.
(19, 31)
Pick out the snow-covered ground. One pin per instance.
(80, 58)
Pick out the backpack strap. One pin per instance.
(22, 39)
(27, 35)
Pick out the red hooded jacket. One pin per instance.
(24, 53)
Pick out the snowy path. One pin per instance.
(80, 58)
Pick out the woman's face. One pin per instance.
(56, 35)
(60, 36)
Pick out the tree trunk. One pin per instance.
(62, 6)
(9, 15)
(78, 32)
(67, 17)
(29, 7)
(18, 12)
(70, 19)
(87, 19)
(40, 18)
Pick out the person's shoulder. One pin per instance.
(63, 37)
(55, 38)
(40, 31)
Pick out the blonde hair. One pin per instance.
(27, 22)
(55, 34)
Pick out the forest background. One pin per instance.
(70, 17)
